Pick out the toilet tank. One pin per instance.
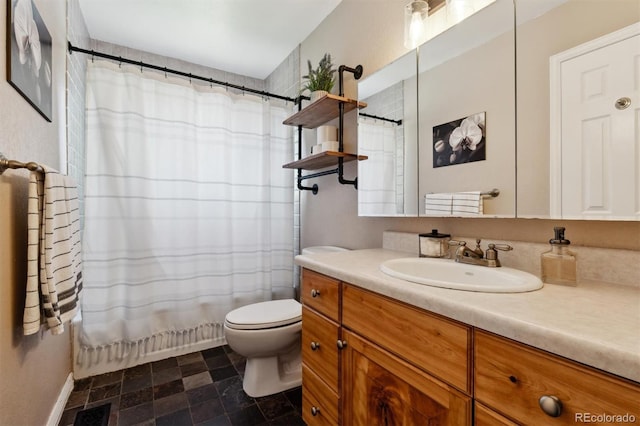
(322, 249)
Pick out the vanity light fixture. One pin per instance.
(415, 23)
(457, 10)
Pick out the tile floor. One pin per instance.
(202, 388)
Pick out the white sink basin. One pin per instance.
(459, 276)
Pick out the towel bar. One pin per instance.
(5, 164)
(493, 193)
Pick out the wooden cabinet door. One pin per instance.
(319, 403)
(380, 389)
(435, 344)
(511, 378)
(319, 350)
(321, 293)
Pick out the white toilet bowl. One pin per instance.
(268, 334)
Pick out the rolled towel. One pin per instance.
(438, 204)
(467, 203)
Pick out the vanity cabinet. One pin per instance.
(320, 296)
(368, 359)
(511, 378)
(386, 362)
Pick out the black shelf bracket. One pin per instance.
(357, 73)
(301, 187)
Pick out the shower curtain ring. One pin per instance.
(165, 72)
(120, 63)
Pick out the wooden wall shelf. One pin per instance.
(321, 111)
(322, 160)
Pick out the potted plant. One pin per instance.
(320, 81)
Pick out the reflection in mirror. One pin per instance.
(387, 181)
(578, 155)
(466, 102)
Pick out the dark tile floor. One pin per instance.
(202, 388)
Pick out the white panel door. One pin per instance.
(600, 177)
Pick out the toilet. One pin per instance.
(268, 335)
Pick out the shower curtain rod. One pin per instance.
(141, 64)
(375, 117)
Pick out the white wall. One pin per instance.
(33, 368)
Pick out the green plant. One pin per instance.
(322, 78)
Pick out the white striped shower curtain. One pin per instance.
(377, 181)
(188, 211)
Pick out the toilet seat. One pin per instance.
(263, 315)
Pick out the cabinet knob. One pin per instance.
(315, 293)
(315, 346)
(342, 344)
(315, 411)
(551, 405)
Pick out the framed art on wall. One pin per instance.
(29, 55)
(460, 141)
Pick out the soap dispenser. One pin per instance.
(559, 263)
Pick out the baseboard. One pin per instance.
(63, 397)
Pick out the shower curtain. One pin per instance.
(378, 191)
(188, 211)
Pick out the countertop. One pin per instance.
(594, 323)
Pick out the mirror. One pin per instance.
(466, 110)
(387, 180)
(571, 166)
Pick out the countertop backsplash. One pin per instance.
(604, 265)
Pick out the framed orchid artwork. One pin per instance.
(29, 55)
(460, 141)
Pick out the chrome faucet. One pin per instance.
(476, 256)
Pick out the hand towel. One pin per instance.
(438, 204)
(56, 269)
(31, 318)
(467, 203)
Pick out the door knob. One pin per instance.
(315, 346)
(315, 293)
(623, 103)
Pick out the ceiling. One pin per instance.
(246, 37)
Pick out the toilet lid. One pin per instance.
(274, 313)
